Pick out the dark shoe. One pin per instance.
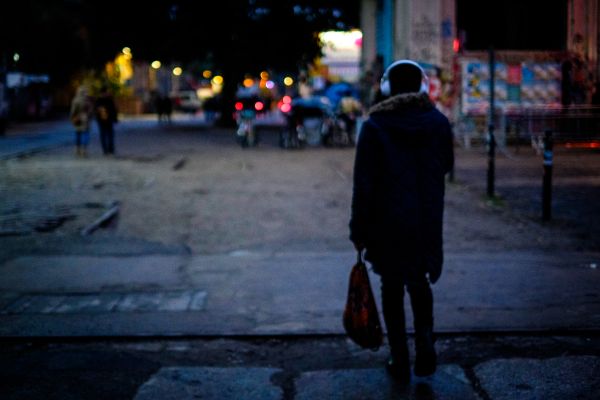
(399, 368)
(426, 358)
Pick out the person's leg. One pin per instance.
(111, 139)
(421, 299)
(85, 140)
(78, 143)
(392, 298)
(104, 139)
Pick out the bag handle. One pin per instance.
(359, 257)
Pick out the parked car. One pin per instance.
(187, 101)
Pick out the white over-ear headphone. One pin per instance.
(385, 87)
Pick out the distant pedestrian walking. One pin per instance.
(164, 107)
(404, 150)
(106, 116)
(80, 115)
(158, 107)
(167, 107)
(211, 106)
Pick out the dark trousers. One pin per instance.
(81, 138)
(107, 138)
(392, 297)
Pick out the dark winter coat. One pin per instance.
(106, 111)
(404, 150)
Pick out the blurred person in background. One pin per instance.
(106, 116)
(167, 107)
(80, 115)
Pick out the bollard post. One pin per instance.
(491, 172)
(547, 183)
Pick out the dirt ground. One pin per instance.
(186, 189)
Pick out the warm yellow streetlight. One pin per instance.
(288, 81)
(126, 53)
(217, 84)
(248, 82)
(207, 74)
(177, 71)
(155, 64)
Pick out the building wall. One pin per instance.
(422, 30)
(368, 18)
(385, 30)
(583, 21)
(424, 40)
(448, 33)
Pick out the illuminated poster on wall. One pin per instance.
(520, 85)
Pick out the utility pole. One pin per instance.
(491, 140)
(3, 107)
(547, 180)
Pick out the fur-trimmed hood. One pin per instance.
(403, 101)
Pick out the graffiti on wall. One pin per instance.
(425, 30)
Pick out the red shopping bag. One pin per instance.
(361, 319)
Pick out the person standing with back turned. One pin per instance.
(106, 116)
(404, 150)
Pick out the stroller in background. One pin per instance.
(247, 109)
(312, 122)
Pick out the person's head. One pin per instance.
(403, 76)
(82, 91)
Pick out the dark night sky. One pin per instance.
(61, 37)
(513, 24)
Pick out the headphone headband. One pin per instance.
(385, 87)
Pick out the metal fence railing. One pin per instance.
(571, 124)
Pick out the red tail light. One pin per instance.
(239, 106)
(259, 106)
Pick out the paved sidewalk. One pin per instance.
(257, 383)
(285, 293)
(30, 138)
(502, 379)
(27, 138)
